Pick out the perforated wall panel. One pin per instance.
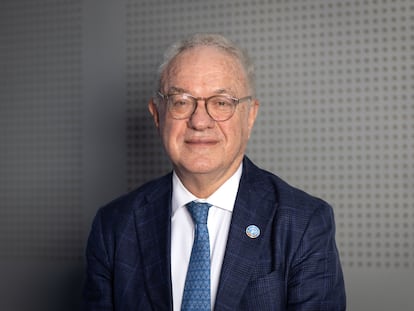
(335, 82)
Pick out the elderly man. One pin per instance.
(217, 233)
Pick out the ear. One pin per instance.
(253, 110)
(153, 109)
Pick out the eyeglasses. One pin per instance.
(219, 107)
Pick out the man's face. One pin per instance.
(198, 145)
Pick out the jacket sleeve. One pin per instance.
(315, 280)
(97, 292)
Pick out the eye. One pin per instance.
(222, 103)
(180, 103)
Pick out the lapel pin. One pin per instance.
(252, 231)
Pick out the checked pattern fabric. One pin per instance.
(197, 284)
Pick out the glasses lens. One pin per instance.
(180, 106)
(220, 108)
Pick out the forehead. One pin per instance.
(205, 66)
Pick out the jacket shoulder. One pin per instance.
(120, 208)
(285, 194)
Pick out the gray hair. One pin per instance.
(212, 40)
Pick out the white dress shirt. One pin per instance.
(182, 232)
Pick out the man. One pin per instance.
(269, 246)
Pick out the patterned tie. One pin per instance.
(197, 284)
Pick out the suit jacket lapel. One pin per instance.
(153, 226)
(252, 207)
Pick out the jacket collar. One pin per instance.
(255, 205)
(153, 227)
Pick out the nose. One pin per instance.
(200, 119)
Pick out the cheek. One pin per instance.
(235, 133)
(170, 132)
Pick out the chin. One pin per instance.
(200, 166)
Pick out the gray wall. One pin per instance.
(335, 82)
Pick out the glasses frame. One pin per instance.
(235, 100)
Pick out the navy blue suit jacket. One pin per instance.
(292, 265)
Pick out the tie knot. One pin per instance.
(198, 211)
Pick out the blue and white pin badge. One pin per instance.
(252, 231)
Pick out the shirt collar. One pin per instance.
(224, 197)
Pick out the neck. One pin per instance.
(203, 185)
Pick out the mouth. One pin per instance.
(201, 142)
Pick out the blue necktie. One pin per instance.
(197, 284)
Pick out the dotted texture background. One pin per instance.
(40, 122)
(336, 84)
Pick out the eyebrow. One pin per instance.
(175, 89)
